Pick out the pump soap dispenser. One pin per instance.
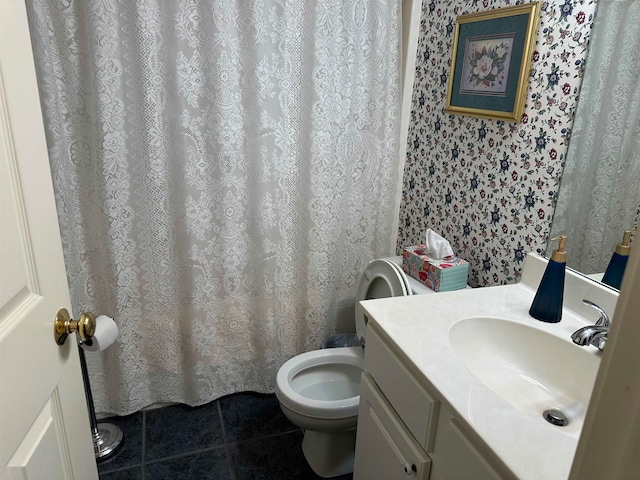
(547, 304)
(615, 271)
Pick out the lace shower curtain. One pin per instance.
(224, 171)
(600, 190)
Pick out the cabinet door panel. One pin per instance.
(457, 456)
(462, 458)
(413, 404)
(385, 450)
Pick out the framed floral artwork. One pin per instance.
(491, 61)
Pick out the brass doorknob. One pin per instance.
(63, 325)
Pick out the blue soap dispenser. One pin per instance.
(615, 271)
(547, 304)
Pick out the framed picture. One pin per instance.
(491, 61)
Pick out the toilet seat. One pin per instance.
(340, 367)
(381, 279)
(403, 276)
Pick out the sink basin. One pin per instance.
(531, 369)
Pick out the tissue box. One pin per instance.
(443, 275)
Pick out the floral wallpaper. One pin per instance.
(487, 186)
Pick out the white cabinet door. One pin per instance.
(456, 456)
(385, 450)
(44, 425)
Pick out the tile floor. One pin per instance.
(239, 437)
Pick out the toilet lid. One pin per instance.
(380, 279)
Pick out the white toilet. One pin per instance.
(320, 390)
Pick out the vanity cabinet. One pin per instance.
(406, 431)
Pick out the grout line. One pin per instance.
(119, 469)
(230, 464)
(265, 437)
(227, 447)
(185, 454)
(143, 452)
(224, 431)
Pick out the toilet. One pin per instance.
(320, 390)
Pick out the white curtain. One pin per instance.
(600, 189)
(224, 171)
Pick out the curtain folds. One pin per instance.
(223, 172)
(599, 195)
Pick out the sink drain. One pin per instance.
(555, 417)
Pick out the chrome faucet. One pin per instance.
(595, 335)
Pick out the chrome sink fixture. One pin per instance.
(595, 335)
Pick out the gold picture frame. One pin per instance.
(491, 62)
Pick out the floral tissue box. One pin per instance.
(443, 275)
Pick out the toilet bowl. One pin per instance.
(320, 390)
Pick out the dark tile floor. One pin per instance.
(239, 437)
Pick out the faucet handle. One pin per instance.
(603, 321)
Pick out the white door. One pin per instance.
(44, 425)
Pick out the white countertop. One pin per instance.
(418, 327)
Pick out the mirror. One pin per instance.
(599, 195)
